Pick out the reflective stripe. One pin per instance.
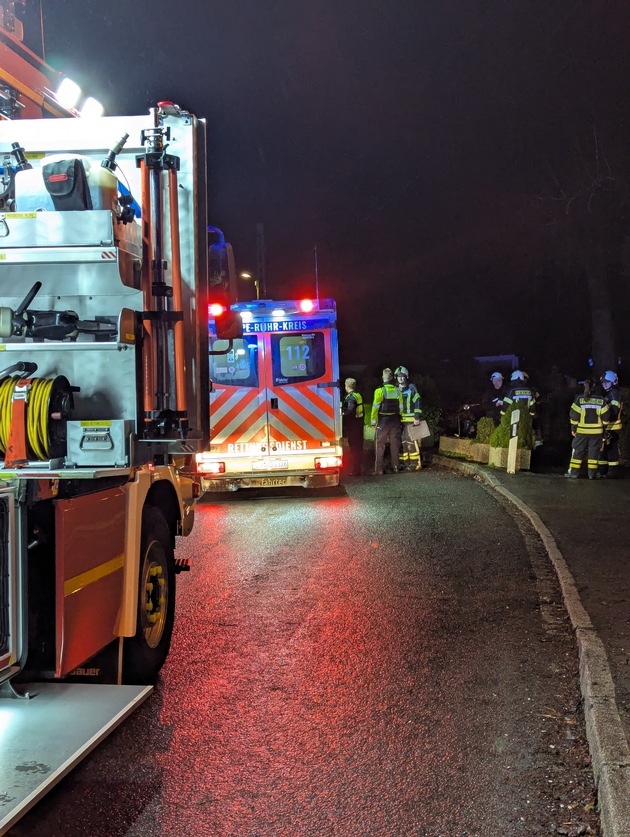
(78, 582)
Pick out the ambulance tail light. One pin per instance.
(205, 467)
(325, 463)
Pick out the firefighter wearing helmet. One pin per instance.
(411, 414)
(520, 394)
(492, 399)
(385, 418)
(589, 417)
(608, 464)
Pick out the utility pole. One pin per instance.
(260, 259)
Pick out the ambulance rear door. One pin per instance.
(238, 403)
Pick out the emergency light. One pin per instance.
(306, 306)
(215, 309)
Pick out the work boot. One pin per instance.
(570, 475)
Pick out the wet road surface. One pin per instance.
(393, 660)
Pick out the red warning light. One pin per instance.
(216, 309)
(306, 306)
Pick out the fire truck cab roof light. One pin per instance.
(246, 316)
(215, 309)
(307, 305)
(91, 108)
(68, 93)
(277, 312)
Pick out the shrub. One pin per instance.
(485, 428)
(501, 435)
(432, 416)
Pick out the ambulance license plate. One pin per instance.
(269, 464)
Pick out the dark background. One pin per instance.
(422, 147)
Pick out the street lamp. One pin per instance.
(256, 282)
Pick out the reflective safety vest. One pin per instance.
(411, 407)
(387, 402)
(588, 416)
(358, 411)
(613, 398)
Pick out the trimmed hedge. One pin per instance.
(485, 428)
(500, 437)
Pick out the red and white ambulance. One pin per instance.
(275, 415)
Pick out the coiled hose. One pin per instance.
(37, 413)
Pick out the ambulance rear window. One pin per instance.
(297, 357)
(238, 366)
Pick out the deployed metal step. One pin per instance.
(44, 737)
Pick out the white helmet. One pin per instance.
(610, 377)
(517, 375)
(495, 376)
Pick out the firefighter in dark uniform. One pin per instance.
(520, 394)
(492, 399)
(609, 451)
(352, 427)
(386, 419)
(411, 414)
(588, 416)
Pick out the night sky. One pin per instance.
(418, 144)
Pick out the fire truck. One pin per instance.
(275, 415)
(103, 404)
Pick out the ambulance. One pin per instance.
(275, 413)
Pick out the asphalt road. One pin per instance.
(390, 660)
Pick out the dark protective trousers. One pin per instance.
(354, 452)
(387, 432)
(609, 455)
(409, 449)
(589, 444)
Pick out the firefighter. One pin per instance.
(492, 399)
(588, 416)
(385, 418)
(609, 450)
(352, 427)
(520, 394)
(411, 413)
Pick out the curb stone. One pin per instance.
(607, 743)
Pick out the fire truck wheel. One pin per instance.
(145, 653)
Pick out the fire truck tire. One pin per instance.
(145, 653)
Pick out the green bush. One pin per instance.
(501, 435)
(432, 416)
(485, 427)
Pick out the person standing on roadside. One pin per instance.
(492, 399)
(609, 450)
(588, 416)
(385, 418)
(411, 413)
(352, 427)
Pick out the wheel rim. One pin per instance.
(154, 594)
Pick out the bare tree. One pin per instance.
(588, 208)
